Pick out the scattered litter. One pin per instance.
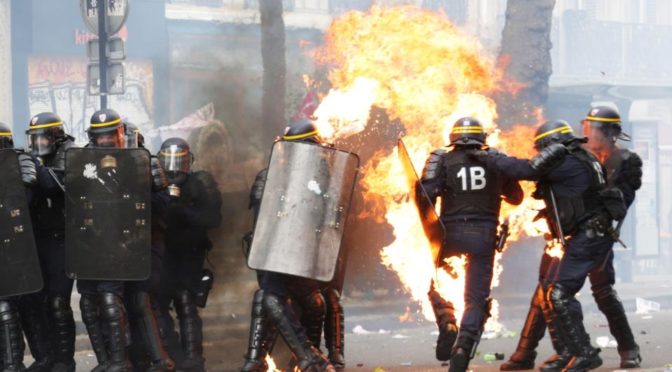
(645, 306)
(510, 334)
(406, 364)
(667, 368)
(489, 335)
(400, 336)
(378, 369)
(602, 341)
(434, 333)
(444, 364)
(360, 365)
(647, 317)
(233, 315)
(642, 332)
(359, 330)
(491, 357)
(612, 344)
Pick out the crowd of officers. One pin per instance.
(586, 182)
(185, 205)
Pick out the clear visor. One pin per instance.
(132, 139)
(175, 159)
(41, 144)
(6, 142)
(597, 140)
(115, 138)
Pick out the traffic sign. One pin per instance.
(116, 49)
(115, 78)
(116, 14)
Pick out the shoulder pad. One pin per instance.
(632, 168)
(257, 190)
(206, 179)
(548, 158)
(431, 169)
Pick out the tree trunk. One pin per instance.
(273, 60)
(526, 56)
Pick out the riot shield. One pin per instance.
(303, 210)
(431, 224)
(20, 271)
(108, 209)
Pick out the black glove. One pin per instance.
(28, 170)
(632, 170)
(548, 157)
(159, 180)
(538, 192)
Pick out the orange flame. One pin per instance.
(419, 68)
(271, 364)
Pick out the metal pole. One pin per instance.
(102, 55)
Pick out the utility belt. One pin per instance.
(601, 225)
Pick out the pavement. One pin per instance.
(384, 343)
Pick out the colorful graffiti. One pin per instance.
(58, 84)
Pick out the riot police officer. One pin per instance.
(272, 303)
(602, 126)
(142, 297)
(47, 317)
(194, 209)
(101, 302)
(11, 338)
(579, 210)
(471, 195)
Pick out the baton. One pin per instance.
(53, 175)
(556, 216)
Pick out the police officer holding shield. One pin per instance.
(47, 317)
(12, 345)
(471, 194)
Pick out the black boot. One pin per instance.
(463, 352)
(191, 332)
(562, 356)
(334, 329)
(256, 353)
(533, 331)
(280, 311)
(113, 314)
(312, 316)
(89, 307)
(446, 322)
(572, 332)
(63, 333)
(610, 305)
(33, 310)
(11, 339)
(151, 335)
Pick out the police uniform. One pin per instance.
(11, 339)
(571, 180)
(471, 195)
(272, 303)
(193, 210)
(47, 317)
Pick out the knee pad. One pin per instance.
(273, 306)
(7, 311)
(558, 297)
(140, 302)
(314, 305)
(258, 303)
(111, 306)
(60, 307)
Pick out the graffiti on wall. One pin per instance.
(58, 84)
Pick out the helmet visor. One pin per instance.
(113, 138)
(175, 159)
(6, 140)
(41, 143)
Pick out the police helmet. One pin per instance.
(6, 139)
(175, 156)
(302, 130)
(44, 131)
(467, 131)
(134, 139)
(106, 129)
(607, 120)
(555, 131)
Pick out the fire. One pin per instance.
(422, 70)
(271, 364)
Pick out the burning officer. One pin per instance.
(293, 255)
(471, 194)
(11, 344)
(602, 126)
(47, 317)
(194, 209)
(580, 210)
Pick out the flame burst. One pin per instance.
(419, 68)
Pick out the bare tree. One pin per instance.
(273, 60)
(525, 53)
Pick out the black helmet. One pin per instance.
(6, 139)
(555, 131)
(467, 131)
(134, 138)
(106, 124)
(175, 156)
(302, 130)
(44, 131)
(607, 120)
